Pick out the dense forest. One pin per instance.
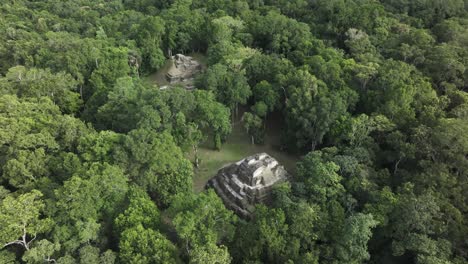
(97, 164)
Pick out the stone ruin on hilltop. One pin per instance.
(183, 70)
(249, 181)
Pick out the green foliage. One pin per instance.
(265, 93)
(61, 88)
(43, 250)
(310, 110)
(279, 34)
(21, 219)
(429, 11)
(210, 254)
(32, 130)
(202, 219)
(230, 87)
(185, 27)
(353, 245)
(417, 218)
(320, 178)
(375, 89)
(90, 254)
(154, 162)
(84, 201)
(140, 211)
(213, 116)
(149, 39)
(254, 126)
(141, 245)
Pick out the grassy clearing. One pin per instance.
(237, 147)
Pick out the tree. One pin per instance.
(264, 92)
(230, 87)
(149, 37)
(186, 134)
(185, 27)
(91, 254)
(7, 257)
(365, 72)
(358, 42)
(254, 127)
(140, 245)
(61, 88)
(279, 34)
(394, 89)
(140, 242)
(100, 147)
(212, 115)
(120, 112)
(43, 251)
(21, 219)
(201, 221)
(114, 65)
(262, 67)
(430, 12)
(444, 64)
(310, 109)
(31, 131)
(140, 211)
(320, 177)
(265, 238)
(224, 28)
(84, 201)
(417, 224)
(353, 246)
(155, 163)
(210, 254)
(105, 187)
(381, 204)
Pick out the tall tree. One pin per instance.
(154, 162)
(311, 109)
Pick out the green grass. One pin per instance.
(159, 78)
(237, 147)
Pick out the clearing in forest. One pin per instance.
(237, 147)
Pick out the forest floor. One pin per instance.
(237, 147)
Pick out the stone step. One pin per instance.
(225, 181)
(238, 184)
(227, 202)
(225, 186)
(233, 193)
(230, 180)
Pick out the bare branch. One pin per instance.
(50, 260)
(30, 241)
(19, 242)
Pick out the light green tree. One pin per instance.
(141, 245)
(21, 219)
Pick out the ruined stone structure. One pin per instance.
(249, 181)
(183, 70)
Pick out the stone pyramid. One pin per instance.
(249, 181)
